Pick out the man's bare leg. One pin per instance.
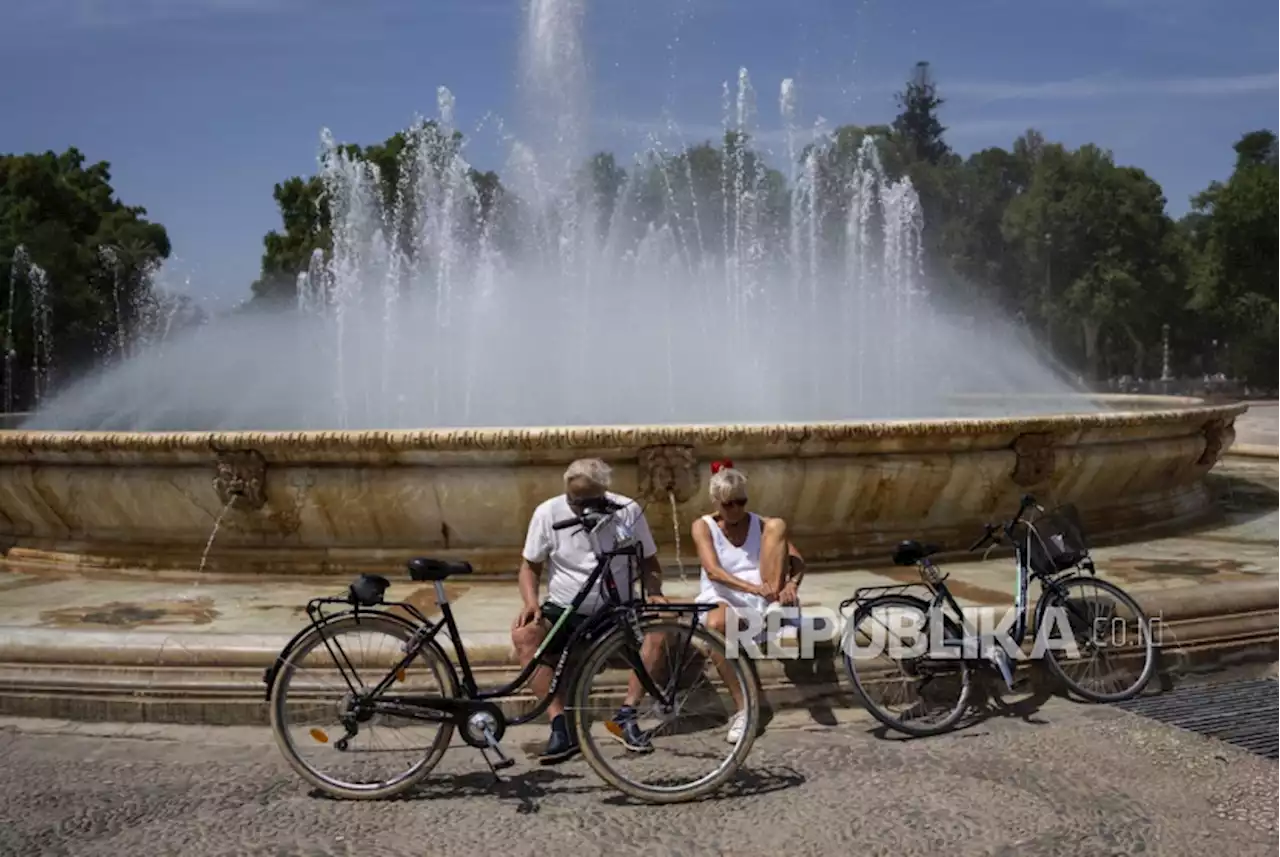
(527, 640)
(650, 656)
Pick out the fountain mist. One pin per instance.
(702, 290)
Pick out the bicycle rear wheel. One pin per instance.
(698, 745)
(886, 648)
(311, 713)
(1110, 639)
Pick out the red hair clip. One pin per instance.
(717, 466)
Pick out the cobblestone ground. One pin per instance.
(1064, 779)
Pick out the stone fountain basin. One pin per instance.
(341, 502)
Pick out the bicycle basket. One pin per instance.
(1055, 541)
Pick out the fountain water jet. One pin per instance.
(24, 270)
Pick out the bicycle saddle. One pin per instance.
(426, 568)
(911, 552)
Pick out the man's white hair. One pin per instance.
(593, 471)
(728, 484)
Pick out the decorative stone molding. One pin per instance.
(240, 478)
(668, 470)
(26, 446)
(1036, 458)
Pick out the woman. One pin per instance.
(747, 562)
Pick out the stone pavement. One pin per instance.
(1258, 426)
(1064, 779)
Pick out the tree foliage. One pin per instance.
(1233, 231)
(304, 203)
(63, 211)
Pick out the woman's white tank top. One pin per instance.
(743, 562)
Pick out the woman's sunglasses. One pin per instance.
(735, 504)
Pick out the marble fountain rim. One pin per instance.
(1181, 409)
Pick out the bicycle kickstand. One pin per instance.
(502, 762)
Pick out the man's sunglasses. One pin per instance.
(735, 504)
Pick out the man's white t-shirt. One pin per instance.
(567, 553)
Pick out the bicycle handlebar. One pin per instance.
(597, 511)
(1028, 501)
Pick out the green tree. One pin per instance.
(1256, 149)
(63, 211)
(696, 194)
(603, 185)
(1109, 251)
(973, 242)
(927, 159)
(1233, 229)
(917, 122)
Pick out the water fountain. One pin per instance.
(711, 312)
(25, 274)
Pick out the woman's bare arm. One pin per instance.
(797, 564)
(711, 564)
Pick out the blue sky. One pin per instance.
(201, 105)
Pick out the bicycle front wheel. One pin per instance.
(1099, 645)
(340, 750)
(688, 749)
(887, 657)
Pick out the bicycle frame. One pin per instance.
(935, 582)
(1024, 576)
(472, 698)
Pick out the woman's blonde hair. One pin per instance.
(727, 482)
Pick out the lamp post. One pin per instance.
(1047, 291)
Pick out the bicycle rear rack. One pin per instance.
(867, 593)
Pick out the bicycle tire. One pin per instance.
(1149, 665)
(868, 701)
(594, 663)
(395, 627)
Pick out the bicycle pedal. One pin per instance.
(502, 764)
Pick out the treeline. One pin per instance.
(1076, 247)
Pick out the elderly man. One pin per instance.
(568, 555)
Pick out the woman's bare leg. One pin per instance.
(775, 559)
(717, 620)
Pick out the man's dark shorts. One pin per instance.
(559, 637)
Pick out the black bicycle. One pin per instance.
(933, 645)
(411, 685)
